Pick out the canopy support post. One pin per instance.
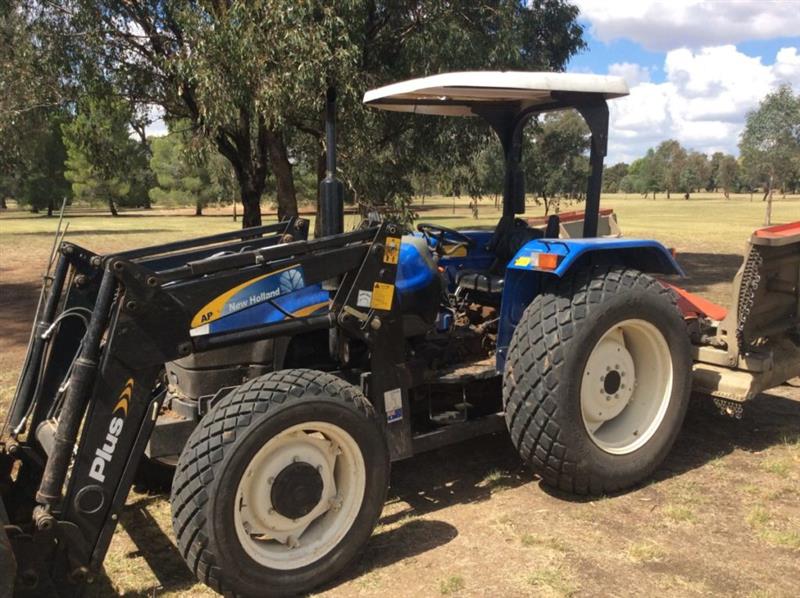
(595, 113)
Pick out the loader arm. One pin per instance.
(79, 428)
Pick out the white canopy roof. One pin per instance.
(454, 94)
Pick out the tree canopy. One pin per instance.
(251, 76)
(770, 142)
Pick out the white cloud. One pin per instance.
(702, 103)
(662, 25)
(633, 73)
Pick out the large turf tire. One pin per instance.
(217, 456)
(547, 356)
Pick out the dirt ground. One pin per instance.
(720, 517)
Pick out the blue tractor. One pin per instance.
(281, 376)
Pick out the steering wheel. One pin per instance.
(435, 235)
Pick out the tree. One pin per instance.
(556, 163)
(770, 143)
(727, 176)
(694, 173)
(182, 178)
(612, 177)
(31, 148)
(669, 160)
(36, 175)
(103, 163)
(642, 176)
(251, 76)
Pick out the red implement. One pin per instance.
(694, 306)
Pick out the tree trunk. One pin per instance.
(667, 193)
(768, 216)
(251, 202)
(112, 208)
(284, 177)
(3, 204)
(50, 207)
(198, 208)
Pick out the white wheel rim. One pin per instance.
(278, 542)
(626, 386)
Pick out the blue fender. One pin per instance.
(524, 278)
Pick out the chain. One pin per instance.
(747, 292)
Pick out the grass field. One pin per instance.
(721, 517)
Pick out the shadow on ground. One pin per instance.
(704, 270)
(19, 304)
(471, 472)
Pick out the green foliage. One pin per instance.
(555, 161)
(183, 178)
(669, 161)
(36, 178)
(727, 175)
(693, 173)
(612, 177)
(770, 143)
(642, 176)
(103, 163)
(382, 152)
(251, 78)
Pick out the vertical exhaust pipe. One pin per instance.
(331, 189)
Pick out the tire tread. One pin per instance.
(533, 369)
(218, 429)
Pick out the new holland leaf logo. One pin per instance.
(103, 455)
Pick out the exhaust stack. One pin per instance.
(331, 190)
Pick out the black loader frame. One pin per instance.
(90, 392)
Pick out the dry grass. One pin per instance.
(720, 517)
(451, 585)
(646, 552)
(555, 580)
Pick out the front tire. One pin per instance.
(597, 380)
(280, 485)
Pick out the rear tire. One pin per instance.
(597, 380)
(280, 485)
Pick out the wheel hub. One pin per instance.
(608, 380)
(299, 495)
(297, 490)
(626, 386)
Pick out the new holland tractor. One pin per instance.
(281, 376)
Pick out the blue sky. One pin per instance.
(694, 67)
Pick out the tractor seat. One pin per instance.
(509, 237)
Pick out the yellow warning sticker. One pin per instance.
(523, 261)
(392, 253)
(382, 295)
